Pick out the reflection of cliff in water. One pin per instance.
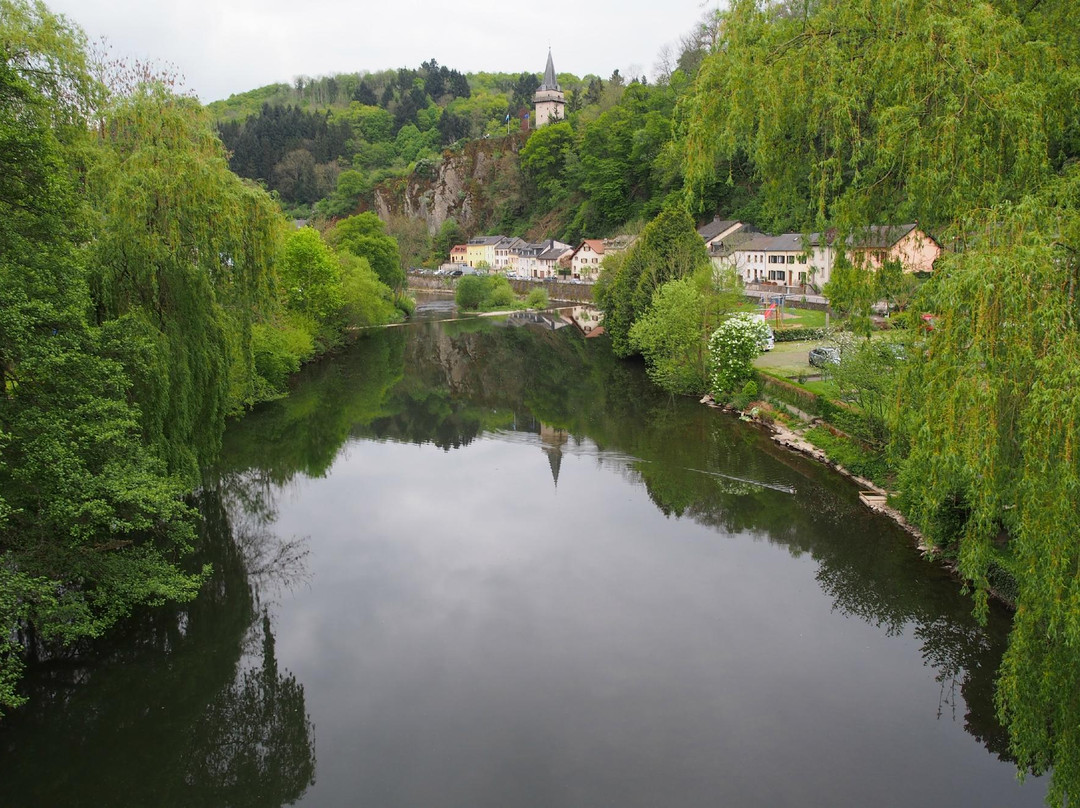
(184, 707)
(448, 383)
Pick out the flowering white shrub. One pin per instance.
(733, 347)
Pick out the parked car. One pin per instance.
(455, 273)
(824, 355)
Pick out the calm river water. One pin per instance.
(485, 564)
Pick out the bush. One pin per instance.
(537, 298)
(733, 346)
(799, 334)
(278, 350)
(500, 293)
(470, 293)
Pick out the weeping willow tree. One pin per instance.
(182, 262)
(854, 112)
(993, 469)
(966, 117)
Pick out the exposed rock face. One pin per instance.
(471, 186)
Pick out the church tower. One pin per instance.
(549, 100)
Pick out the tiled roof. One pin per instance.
(879, 236)
(715, 227)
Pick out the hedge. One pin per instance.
(798, 334)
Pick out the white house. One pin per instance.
(506, 254)
(586, 259)
(549, 260)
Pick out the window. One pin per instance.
(777, 274)
(791, 259)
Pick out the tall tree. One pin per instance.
(365, 236)
(183, 258)
(992, 414)
(669, 248)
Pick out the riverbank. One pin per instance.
(875, 497)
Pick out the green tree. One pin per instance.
(852, 292)
(991, 421)
(182, 260)
(91, 523)
(543, 160)
(668, 335)
(310, 276)
(364, 235)
(868, 111)
(470, 292)
(450, 235)
(669, 248)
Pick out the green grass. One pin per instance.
(789, 359)
(850, 455)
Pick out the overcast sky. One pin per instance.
(228, 46)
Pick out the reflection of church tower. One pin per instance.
(549, 99)
(552, 440)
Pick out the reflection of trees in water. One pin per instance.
(252, 745)
(446, 385)
(185, 706)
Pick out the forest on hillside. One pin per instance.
(324, 144)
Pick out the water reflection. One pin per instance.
(447, 384)
(522, 666)
(185, 707)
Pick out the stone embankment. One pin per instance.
(558, 291)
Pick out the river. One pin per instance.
(483, 563)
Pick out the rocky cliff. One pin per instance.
(480, 186)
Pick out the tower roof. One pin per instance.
(550, 82)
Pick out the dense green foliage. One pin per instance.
(475, 292)
(364, 236)
(672, 333)
(669, 249)
(885, 110)
(146, 292)
(963, 116)
(995, 456)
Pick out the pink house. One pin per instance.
(906, 243)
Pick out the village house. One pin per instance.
(915, 250)
(548, 262)
(716, 231)
(528, 255)
(782, 260)
(459, 254)
(481, 250)
(586, 259)
(506, 255)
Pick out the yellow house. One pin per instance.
(482, 249)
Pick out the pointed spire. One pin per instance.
(550, 82)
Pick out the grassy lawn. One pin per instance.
(792, 317)
(789, 359)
